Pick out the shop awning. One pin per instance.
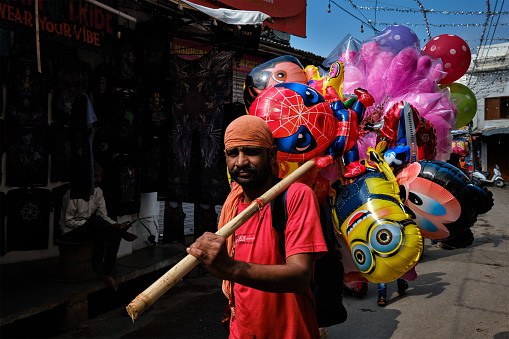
(232, 16)
(495, 130)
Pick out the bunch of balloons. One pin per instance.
(404, 191)
(392, 67)
(455, 55)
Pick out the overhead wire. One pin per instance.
(481, 43)
(366, 23)
(430, 11)
(486, 50)
(499, 73)
(355, 6)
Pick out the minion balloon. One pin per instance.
(383, 240)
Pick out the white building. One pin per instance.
(488, 78)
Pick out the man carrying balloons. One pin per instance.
(269, 295)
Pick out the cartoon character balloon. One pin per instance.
(302, 122)
(404, 130)
(384, 242)
(285, 68)
(455, 55)
(465, 102)
(443, 201)
(334, 79)
(305, 125)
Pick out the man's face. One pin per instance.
(249, 166)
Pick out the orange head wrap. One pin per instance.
(248, 130)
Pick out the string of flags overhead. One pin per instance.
(439, 25)
(430, 11)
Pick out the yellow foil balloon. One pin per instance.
(334, 79)
(383, 240)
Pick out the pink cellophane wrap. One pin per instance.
(410, 75)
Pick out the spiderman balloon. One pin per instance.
(305, 125)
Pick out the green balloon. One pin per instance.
(465, 102)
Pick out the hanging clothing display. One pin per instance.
(125, 126)
(103, 146)
(60, 150)
(71, 78)
(126, 60)
(154, 167)
(28, 219)
(122, 189)
(202, 87)
(27, 95)
(155, 107)
(103, 89)
(82, 170)
(27, 156)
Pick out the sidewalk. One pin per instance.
(27, 289)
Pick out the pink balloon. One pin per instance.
(455, 55)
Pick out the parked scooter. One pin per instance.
(482, 178)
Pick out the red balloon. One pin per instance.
(455, 55)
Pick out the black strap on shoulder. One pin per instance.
(279, 218)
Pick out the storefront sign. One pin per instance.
(76, 23)
(189, 50)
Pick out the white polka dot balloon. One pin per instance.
(455, 55)
(397, 38)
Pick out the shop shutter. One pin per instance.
(238, 85)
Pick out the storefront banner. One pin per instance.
(189, 50)
(74, 23)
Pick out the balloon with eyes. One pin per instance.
(383, 240)
(305, 125)
(439, 197)
(443, 201)
(285, 68)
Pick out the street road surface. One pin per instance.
(461, 293)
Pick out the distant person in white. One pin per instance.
(88, 221)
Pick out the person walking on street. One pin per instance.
(268, 293)
(382, 291)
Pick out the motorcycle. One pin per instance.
(481, 177)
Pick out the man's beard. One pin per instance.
(258, 176)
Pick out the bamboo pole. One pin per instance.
(177, 272)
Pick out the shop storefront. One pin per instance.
(161, 91)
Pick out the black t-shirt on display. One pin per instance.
(28, 219)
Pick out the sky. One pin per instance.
(325, 30)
